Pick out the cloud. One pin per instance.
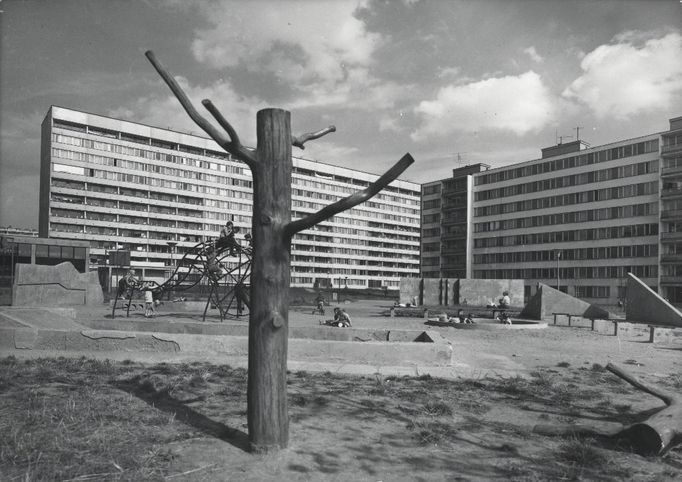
(299, 41)
(533, 54)
(632, 74)
(519, 104)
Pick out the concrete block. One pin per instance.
(605, 326)
(647, 306)
(410, 290)
(431, 295)
(548, 300)
(60, 285)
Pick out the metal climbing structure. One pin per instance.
(226, 268)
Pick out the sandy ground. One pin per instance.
(356, 436)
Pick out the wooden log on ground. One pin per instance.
(655, 435)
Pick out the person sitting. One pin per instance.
(226, 238)
(460, 316)
(469, 318)
(505, 301)
(341, 319)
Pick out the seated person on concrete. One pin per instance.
(341, 319)
(469, 318)
(460, 316)
(128, 281)
(505, 301)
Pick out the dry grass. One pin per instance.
(80, 419)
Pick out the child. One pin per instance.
(148, 301)
(461, 317)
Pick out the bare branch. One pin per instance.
(352, 200)
(620, 372)
(225, 142)
(222, 121)
(302, 139)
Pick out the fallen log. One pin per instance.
(655, 435)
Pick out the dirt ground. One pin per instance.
(371, 428)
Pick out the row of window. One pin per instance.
(98, 131)
(602, 214)
(147, 167)
(596, 195)
(146, 154)
(569, 273)
(620, 172)
(413, 195)
(597, 253)
(345, 190)
(615, 232)
(569, 162)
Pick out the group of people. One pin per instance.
(341, 318)
(150, 288)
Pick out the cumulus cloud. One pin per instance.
(630, 75)
(299, 41)
(519, 104)
(533, 54)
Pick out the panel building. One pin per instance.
(446, 214)
(579, 218)
(157, 192)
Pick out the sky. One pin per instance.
(451, 82)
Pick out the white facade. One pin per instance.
(158, 192)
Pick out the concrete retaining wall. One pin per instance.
(479, 292)
(60, 285)
(434, 351)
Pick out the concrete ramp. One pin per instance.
(39, 319)
(644, 305)
(548, 300)
(60, 285)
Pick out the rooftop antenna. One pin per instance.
(459, 158)
(561, 139)
(577, 132)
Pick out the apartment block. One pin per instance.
(157, 192)
(578, 219)
(446, 213)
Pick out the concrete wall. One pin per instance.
(646, 306)
(410, 288)
(60, 285)
(474, 292)
(479, 292)
(431, 294)
(548, 300)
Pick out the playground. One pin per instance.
(133, 415)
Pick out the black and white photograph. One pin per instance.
(340, 240)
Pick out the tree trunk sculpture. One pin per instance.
(273, 229)
(655, 435)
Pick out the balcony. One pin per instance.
(671, 236)
(671, 280)
(671, 214)
(668, 193)
(671, 258)
(671, 149)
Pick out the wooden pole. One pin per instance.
(272, 230)
(268, 327)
